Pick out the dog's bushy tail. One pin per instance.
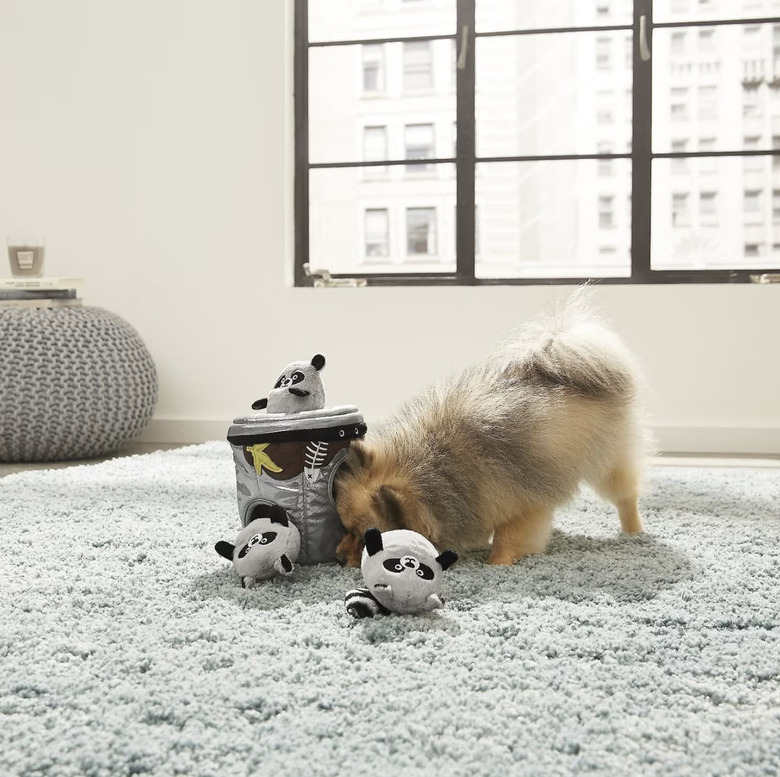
(570, 347)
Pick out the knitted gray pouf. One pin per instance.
(75, 382)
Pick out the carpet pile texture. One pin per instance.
(128, 647)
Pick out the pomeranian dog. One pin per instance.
(495, 450)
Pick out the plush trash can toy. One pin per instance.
(291, 459)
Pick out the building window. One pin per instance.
(752, 203)
(373, 68)
(606, 167)
(603, 53)
(707, 208)
(419, 144)
(606, 212)
(375, 150)
(752, 36)
(418, 66)
(569, 142)
(753, 164)
(679, 164)
(706, 40)
(377, 232)
(678, 104)
(776, 206)
(605, 107)
(680, 215)
(421, 231)
(708, 165)
(708, 103)
(751, 103)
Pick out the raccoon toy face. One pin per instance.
(403, 570)
(298, 388)
(266, 546)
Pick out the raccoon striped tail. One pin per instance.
(571, 348)
(362, 604)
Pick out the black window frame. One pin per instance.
(465, 159)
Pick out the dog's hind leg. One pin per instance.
(524, 535)
(621, 487)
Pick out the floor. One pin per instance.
(133, 449)
(691, 460)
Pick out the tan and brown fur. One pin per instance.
(496, 450)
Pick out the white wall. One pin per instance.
(151, 142)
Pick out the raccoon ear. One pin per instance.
(389, 505)
(447, 559)
(373, 541)
(225, 549)
(318, 361)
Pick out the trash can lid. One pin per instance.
(329, 423)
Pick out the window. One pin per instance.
(375, 150)
(679, 164)
(377, 233)
(373, 68)
(606, 166)
(753, 201)
(605, 107)
(753, 164)
(706, 40)
(751, 36)
(603, 53)
(420, 231)
(708, 103)
(418, 66)
(606, 212)
(751, 102)
(708, 165)
(680, 215)
(419, 144)
(583, 157)
(679, 103)
(707, 208)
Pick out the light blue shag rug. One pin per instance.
(127, 646)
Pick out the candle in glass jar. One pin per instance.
(26, 254)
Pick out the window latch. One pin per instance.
(644, 48)
(323, 279)
(464, 47)
(766, 277)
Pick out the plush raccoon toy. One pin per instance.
(403, 571)
(268, 545)
(299, 388)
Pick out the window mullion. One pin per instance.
(301, 196)
(641, 147)
(466, 143)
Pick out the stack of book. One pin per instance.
(40, 292)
